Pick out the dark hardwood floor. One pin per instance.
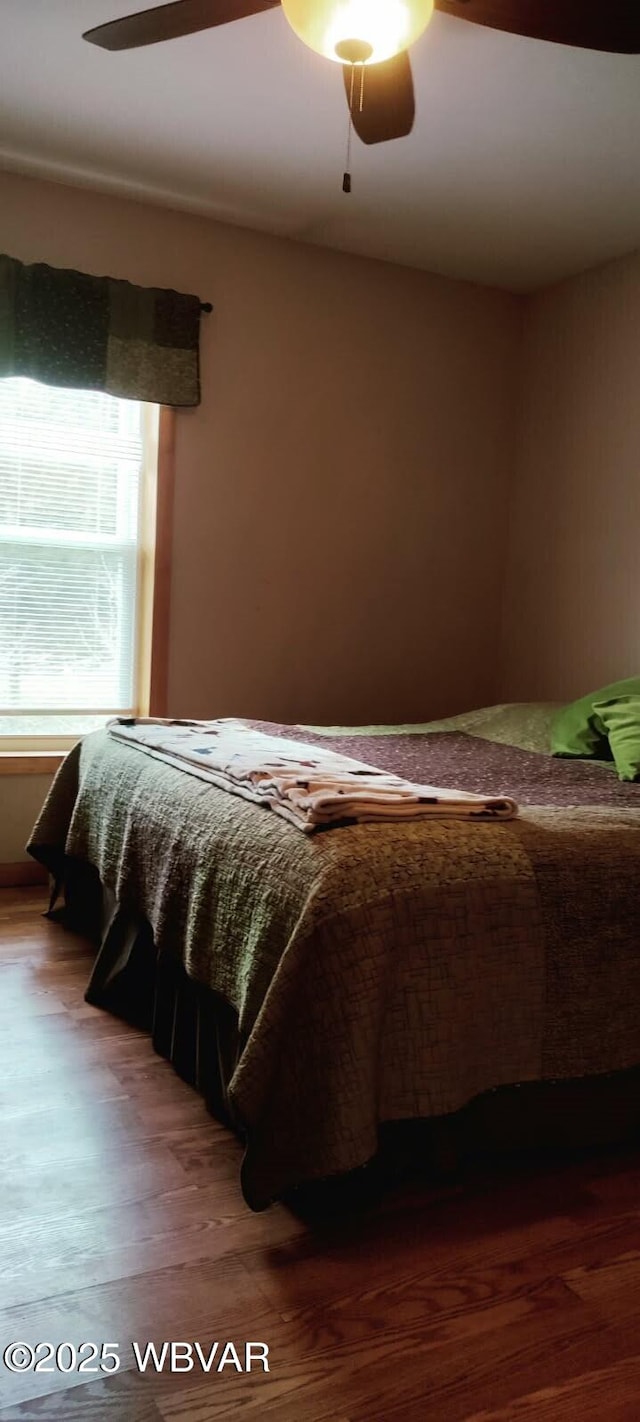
(512, 1295)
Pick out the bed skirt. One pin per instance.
(197, 1031)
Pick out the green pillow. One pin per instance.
(621, 722)
(578, 730)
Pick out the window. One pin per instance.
(77, 513)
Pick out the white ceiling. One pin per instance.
(523, 166)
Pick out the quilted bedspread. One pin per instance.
(380, 971)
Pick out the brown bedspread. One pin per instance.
(379, 971)
(456, 760)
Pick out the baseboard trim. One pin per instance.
(21, 875)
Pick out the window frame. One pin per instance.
(37, 755)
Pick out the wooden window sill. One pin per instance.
(30, 762)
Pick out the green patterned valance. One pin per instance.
(96, 333)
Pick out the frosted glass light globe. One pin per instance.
(358, 31)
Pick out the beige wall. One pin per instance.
(341, 490)
(572, 593)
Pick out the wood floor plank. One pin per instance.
(613, 1286)
(298, 1274)
(208, 1297)
(62, 1188)
(128, 1397)
(495, 1374)
(18, 902)
(605, 1395)
(46, 1256)
(359, 1343)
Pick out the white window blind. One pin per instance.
(70, 474)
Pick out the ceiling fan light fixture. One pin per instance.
(377, 29)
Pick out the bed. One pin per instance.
(482, 977)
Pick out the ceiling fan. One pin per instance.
(374, 35)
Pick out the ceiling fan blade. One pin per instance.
(182, 17)
(612, 25)
(388, 106)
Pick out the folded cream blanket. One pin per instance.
(309, 786)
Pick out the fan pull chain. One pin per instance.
(346, 176)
